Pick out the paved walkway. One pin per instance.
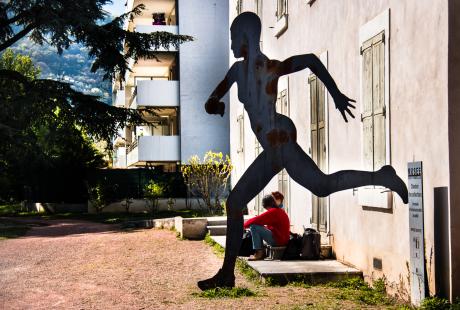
(83, 265)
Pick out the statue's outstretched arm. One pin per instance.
(311, 61)
(213, 105)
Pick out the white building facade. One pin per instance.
(398, 60)
(176, 85)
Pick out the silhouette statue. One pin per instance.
(257, 79)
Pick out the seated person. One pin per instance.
(279, 198)
(272, 226)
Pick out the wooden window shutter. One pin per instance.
(314, 142)
(378, 76)
(367, 115)
(322, 203)
(313, 118)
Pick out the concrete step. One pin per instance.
(217, 222)
(310, 271)
(217, 230)
(222, 220)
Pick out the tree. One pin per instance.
(208, 179)
(19, 63)
(153, 191)
(42, 149)
(61, 23)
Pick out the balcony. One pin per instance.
(154, 149)
(157, 93)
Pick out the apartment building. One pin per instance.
(400, 61)
(175, 85)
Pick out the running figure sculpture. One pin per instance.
(257, 79)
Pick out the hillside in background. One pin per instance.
(73, 66)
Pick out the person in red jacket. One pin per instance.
(272, 226)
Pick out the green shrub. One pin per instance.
(101, 195)
(153, 191)
(208, 179)
(435, 303)
(358, 290)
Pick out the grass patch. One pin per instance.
(241, 264)
(301, 284)
(216, 248)
(438, 303)
(356, 289)
(247, 271)
(234, 292)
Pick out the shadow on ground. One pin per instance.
(59, 227)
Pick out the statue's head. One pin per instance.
(245, 34)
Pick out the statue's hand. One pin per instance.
(214, 106)
(342, 103)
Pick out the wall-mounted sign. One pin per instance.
(417, 252)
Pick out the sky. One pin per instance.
(116, 8)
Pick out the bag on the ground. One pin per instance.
(293, 247)
(311, 244)
(246, 245)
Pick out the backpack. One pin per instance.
(311, 244)
(246, 245)
(293, 247)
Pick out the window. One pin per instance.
(374, 39)
(373, 98)
(318, 146)
(282, 106)
(240, 121)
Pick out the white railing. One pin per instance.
(157, 93)
(155, 149)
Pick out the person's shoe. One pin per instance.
(393, 182)
(258, 255)
(219, 280)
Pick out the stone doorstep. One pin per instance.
(282, 272)
(217, 230)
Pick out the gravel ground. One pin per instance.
(82, 265)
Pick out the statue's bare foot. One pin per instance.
(219, 280)
(393, 182)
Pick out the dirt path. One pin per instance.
(82, 265)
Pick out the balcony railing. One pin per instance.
(157, 93)
(154, 149)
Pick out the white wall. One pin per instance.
(203, 64)
(418, 119)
